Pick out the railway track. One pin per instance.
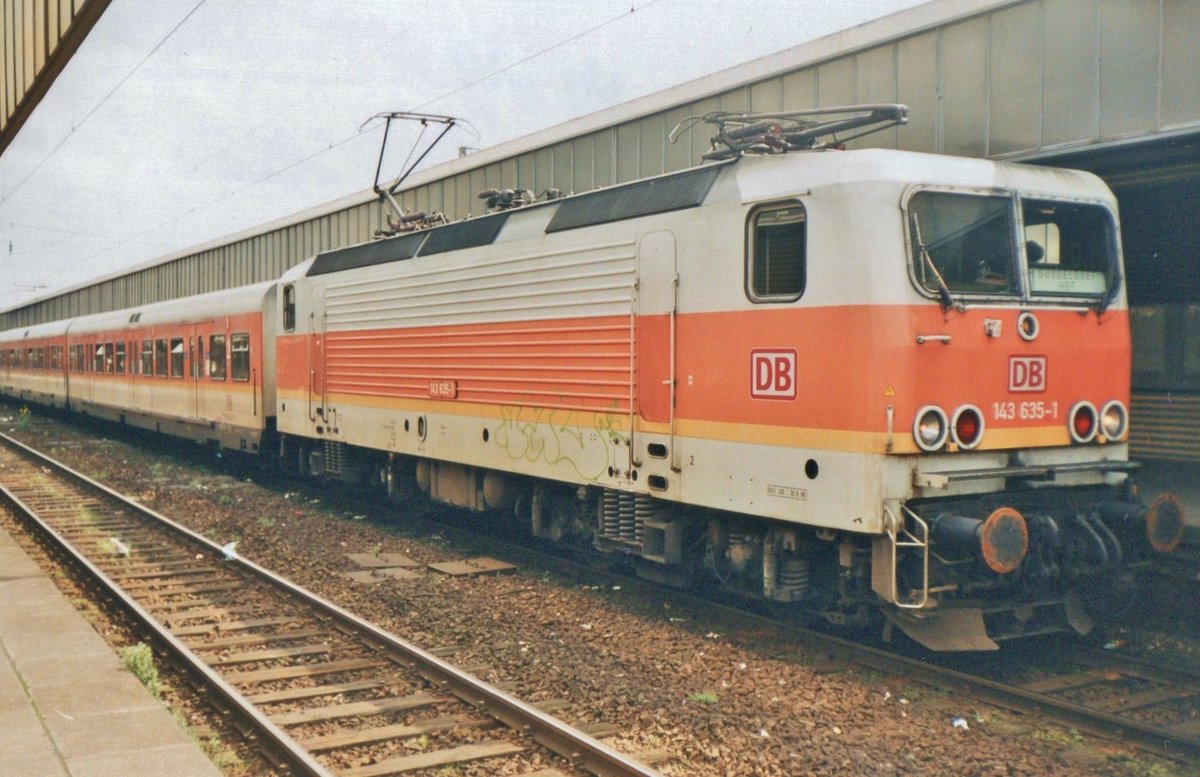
(1152, 706)
(325, 692)
(1100, 692)
(1157, 695)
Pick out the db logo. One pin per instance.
(1027, 373)
(773, 374)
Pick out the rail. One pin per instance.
(580, 749)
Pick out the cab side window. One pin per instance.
(776, 248)
(289, 308)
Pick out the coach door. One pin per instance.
(195, 372)
(658, 283)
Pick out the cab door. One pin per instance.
(658, 283)
(316, 357)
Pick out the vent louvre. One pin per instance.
(643, 198)
(464, 234)
(392, 249)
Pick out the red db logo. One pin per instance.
(773, 374)
(1026, 373)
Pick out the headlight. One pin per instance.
(1114, 420)
(931, 428)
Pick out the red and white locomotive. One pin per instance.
(855, 381)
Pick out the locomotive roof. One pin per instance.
(755, 178)
(645, 197)
(758, 179)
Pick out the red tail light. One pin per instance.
(1082, 422)
(968, 426)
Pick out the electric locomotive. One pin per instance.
(851, 381)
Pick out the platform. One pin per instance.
(68, 708)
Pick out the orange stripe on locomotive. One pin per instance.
(852, 363)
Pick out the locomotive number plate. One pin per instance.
(443, 389)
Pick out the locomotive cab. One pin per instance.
(1021, 518)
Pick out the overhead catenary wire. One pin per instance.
(367, 130)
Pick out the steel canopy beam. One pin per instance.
(38, 39)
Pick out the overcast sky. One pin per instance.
(180, 121)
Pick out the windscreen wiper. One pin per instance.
(927, 261)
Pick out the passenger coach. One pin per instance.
(199, 368)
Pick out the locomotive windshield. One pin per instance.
(1070, 247)
(967, 244)
(963, 243)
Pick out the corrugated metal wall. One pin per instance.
(1013, 80)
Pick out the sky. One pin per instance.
(181, 121)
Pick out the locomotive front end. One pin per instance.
(1011, 424)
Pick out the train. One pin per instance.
(870, 386)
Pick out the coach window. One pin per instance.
(176, 357)
(216, 357)
(239, 346)
(109, 358)
(775, 253)
(98, 359)
(289, 308)
(147, 357)
(160, 357)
